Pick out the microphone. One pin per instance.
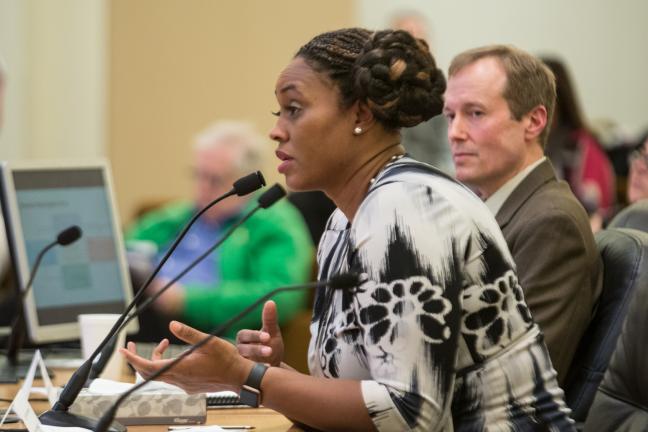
(248, 184)
(69, 235)
(268, 198)
(271, 196)
(64, 238)
(59, 415)
(341, 281)
(243, 186)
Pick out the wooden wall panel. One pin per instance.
(177, 65)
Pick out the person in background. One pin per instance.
(635, 215)
(638, 175)
(498, 104)
(436, 334)
(427, 141)
(269, 250)
(576, 154)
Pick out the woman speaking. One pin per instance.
(438, 336)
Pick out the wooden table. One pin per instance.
(263, 419)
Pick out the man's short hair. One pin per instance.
(529, 83)
(239, 135)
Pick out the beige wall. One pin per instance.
(55, 100)
(602, 42)
(177, 65)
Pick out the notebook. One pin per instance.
(224, 399)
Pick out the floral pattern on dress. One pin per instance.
(393, 304)
(495, 314)
(438, 335)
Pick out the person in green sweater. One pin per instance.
(271, 249)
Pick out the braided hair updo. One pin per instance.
(390, 70)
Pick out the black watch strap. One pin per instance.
(251, 390)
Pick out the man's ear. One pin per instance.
(536, 122)
(364, 118)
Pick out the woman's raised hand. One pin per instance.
(265, 345)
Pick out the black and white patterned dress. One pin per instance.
(439, 333)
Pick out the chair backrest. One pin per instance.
(625, 267)
(621, 403)
(634, 216)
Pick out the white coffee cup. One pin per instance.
(94, 328)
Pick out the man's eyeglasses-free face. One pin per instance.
(638, 155)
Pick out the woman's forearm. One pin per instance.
(286, 366)
(326, 404)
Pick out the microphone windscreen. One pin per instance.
(69, 235)
(344, 280)
(271, 196)
(249, 183)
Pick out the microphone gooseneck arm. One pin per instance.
(17, 329)
(64, 238)
(78, 379)
(37, 263)
(267, 199)
(337, 282)
(100, 364)
(68, 395)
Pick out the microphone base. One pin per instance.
(67, 419)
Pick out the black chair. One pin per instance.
(634, 216)
(625, 267)
(621, 403)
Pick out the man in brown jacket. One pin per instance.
(499, 103)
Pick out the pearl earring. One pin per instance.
(357, 130)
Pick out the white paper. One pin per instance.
(223, 393)
(210, 428)
(47, 428)
(21, 405)
(63, 363)
(24, 410)
(158, 385)
(50, 390)
(104, 386)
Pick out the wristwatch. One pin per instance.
(251, 391)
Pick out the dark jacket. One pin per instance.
(548, 233)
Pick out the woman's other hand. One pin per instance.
(265, 345)
(215, 366)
